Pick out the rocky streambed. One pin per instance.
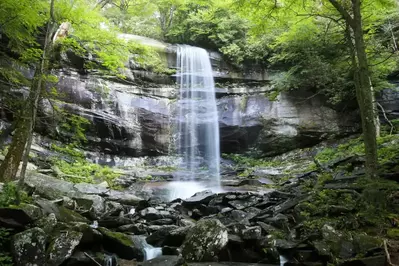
(317, 211)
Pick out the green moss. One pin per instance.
(120, 237)
(67, 216)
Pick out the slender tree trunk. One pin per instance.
(366, 101)
(364, 89)
(26, 122)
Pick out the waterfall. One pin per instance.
(198, 128)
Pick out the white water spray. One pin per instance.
(198, 128)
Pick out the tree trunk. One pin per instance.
(363, 86)
(366, 101)
(26, 121)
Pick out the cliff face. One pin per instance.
(136, 116)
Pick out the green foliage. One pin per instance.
(9, 195)
(5, 256)
(387, 150)
(83, 171)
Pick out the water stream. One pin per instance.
(197, 121)
(150, 252)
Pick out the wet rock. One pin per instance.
(94, 205)
(165, 261)
(205, 241)
(151, 214)
(245, 203)
(157, 238)
(112, 208)
(114, 222)
(252, 233)
(166, 221)
(14, 218)
(124, 198)
(90, 236)
(137, 229)
(177, 236)
(29, 247)
(203, 197)
(62, 247)
(171, 251)
(282, 244)
(121, 244)
(280, 221)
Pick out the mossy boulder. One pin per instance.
(121, 244)
(90, 235)
(47, 223)
(205, 241)
(61, 213)
(29, 247)
(62, 247)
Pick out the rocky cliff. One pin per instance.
(135, 116)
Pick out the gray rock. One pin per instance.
(90, 236)
(62, 247)
(203, 197)
(93, 204)
(176, 237)
(86, 188)
(49, 187)
(112, 208)
(151, 214)
(126, 198)
(15, 218)
(61, 213)
(250, 233)
(205, 241)
(47, 223)
(157, 238)
(29, 247)
(166, 221)
(245, 203)
(121, 244)
(165, 261)
(137, 229)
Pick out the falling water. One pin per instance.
(198, 128)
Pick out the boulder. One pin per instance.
(151, 214)
(29, 247)
(63, 246)
(203, 197)
(90, 236)
(205, 241)
(165, 261)
(121, 244)
(61, 213)
(47, 223)
(137, 229)
(176, 237)
(94, 205)
(126, 198)
(157, 238)
(14, 218)
(49, 187)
